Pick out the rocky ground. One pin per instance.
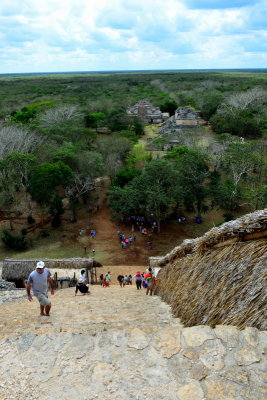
(118, 343)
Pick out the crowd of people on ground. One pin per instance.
(146, 280)
(40, 278)
(140, 223)
(125, 241)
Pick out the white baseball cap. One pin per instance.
(40, 264)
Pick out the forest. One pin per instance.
(61, 134)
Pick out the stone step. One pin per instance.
(119, 344)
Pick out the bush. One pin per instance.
(15, 242)
(30, 219)
(243, 123)
(24, 231)
(44, 233)
(228, 217)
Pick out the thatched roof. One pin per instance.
(241, 229)
(20, 269)
(219, 278)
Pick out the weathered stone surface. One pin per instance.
(228, 334)
(168, 342)
(191, 353)
(220, 389)
(138, 339)
(191, 391)
(262, 337)
(247, 356)
(198, 372)
(251, 335)
(237, 375)
(84, 352)
(213, 355)
(196, 335)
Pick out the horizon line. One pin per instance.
(133, 70)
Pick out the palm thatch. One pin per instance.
(219, 278)
(20, 269)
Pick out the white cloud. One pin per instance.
(57, 35)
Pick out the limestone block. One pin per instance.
(247, 356)
(138, 339)
(191, 353)
(212, 355)
(262, 337)
(169, 342)
(237, 375)
(251, 335)
(198, 372)
(196, 335)
(223, 390)
(228, 334)
(191, 391)
(257, 393)
(101, 375)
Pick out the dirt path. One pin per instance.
(107, 244)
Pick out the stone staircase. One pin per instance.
(118, 343)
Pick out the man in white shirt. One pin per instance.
(38, 282)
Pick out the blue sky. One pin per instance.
(104, 35)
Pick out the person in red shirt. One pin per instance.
(150, 279)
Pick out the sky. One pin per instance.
(105, 35)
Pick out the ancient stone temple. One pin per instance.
(170, 132)
(184, 118)
(147, 113)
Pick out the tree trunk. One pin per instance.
(73, 209)
(10, 222)
(158, 223)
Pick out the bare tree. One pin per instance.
(243, 100)
(21, 140)
(55, 115)
(81, 185)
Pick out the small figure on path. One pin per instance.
(150, 279)
(82, 284)
(120, 279)
(107, 279)
(138, 280)
(38, 282)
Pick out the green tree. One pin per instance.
(242, 123)
(193, 172)
(169, 106)
(154, 192)
(95, 120)
(24, 116)
(138, 156)
(46, 177)
(56, 209)
(114, 150)
(14, 242)
(138, 127)
(125, 175)
(117, 120)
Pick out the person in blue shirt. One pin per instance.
(38, 281)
